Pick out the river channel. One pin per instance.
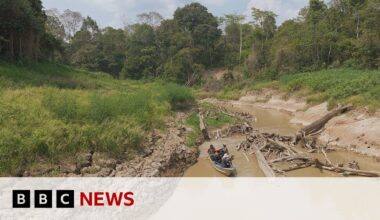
(271, 121)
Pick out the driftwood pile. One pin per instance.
(245, 128)
(278, 155)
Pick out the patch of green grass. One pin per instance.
(193, 121)
(359, 87)
(179, 97)
(215, 118)
(53, 121)
(342, 85)
(229, 94)
(219, 120)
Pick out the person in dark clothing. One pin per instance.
(222, 151)
(225, 149)
(226, 161)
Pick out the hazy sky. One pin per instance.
(118, 12)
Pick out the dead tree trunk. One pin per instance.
(349, 171)
(203, 127)
(319, 124)
(263, 163)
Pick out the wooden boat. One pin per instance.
(225, 171)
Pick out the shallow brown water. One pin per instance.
(272, 121)
(267, 120)
(246, 165)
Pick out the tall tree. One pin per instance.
(151, 18)
(91, 26)
(203, 28)
(264, 28)
(72, 21)
(317, 10)
(21, 27)
(141, 53)
(54, 25)
(234, 31)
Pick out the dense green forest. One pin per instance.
(340, 33)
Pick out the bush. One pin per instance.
(179, 97)
(63, 105)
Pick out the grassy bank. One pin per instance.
(50, 114)
(358, 87)
(214, 119)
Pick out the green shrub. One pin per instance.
(179, 97)
(193, 121)
(63, 105)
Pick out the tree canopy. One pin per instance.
(181, 49)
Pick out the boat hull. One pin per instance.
(225, 171)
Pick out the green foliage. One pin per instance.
(216, 118)
(334, 85)
(237, 41)
(141, 53)
(21, 25)
(229, 93)
(219, 120)
(179, 97)
(63, 105)
(193, 121)
(47, 74)
(342, 85)
(52, 123)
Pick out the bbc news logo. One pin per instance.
(66, 199)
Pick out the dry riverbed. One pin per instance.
(356, 134)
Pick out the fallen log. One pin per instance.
(290, 158)
(203, 127)
(350, 171)
(299, 166)
(291, 150)
(319, 124)
(263, 163)
(345, 170)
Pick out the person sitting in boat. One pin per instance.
(226, 161)
(225, 149)
(212, 153)
(222, 150)
(220, 153)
